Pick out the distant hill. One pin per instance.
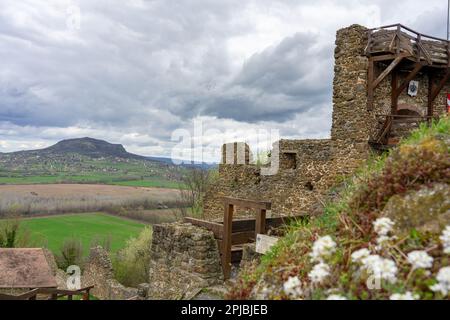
(88, 160)
(88, 147)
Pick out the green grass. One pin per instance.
(52, 231)
(149, 184)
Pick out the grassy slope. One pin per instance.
(86, 170)
(422, 159)
(87, 227)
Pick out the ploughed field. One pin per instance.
(89, 228)
(50, 199)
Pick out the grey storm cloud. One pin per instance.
(289, 78)
(137, 70)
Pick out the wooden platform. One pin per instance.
(400, 48)
(231, 234)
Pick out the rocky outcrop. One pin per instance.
(426, 210)
(184, 260)
(98, 271)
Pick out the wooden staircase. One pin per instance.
(395, 127)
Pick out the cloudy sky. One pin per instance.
(138, 72)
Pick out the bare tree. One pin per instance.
(195, 183)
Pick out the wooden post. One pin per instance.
(226, 244)
(260, 222)
(394, 85)
(370, 88)
(430, 94)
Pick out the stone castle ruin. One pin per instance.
(387, 81)
(309, 168)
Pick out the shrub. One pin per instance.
(131, 264)
(12, 235)
(71, 253)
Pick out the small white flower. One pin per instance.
(293, 287)
(406, 296)
(420, 260)
(336, 297)
(322, 248)
(383, 226)
(445, 238)
(319, 273)
(381, 268)
(359, 255)
(443, 285)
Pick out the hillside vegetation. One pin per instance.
(86, 160)
(387, 235)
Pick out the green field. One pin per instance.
(52, 231)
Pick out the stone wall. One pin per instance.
(98, 271)
(184, 260)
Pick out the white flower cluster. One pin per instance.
(420, 260)
(443, 285)
(406, 296)
(293, 287)
(445, 238)
(322, 248)
(360, 255)
(381, 268)
(319, 273)
(336, 297)
(383, 226)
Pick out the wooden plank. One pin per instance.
(389, 69)
(215, 227)
(250, 224)
(243, 203)
(430, 102)
(370, 88)
(383, 57)
(439, 87)
(394, 84)
(239, 238)
(226, 245)
(260, 222)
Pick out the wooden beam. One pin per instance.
(394, 85)
(430, 94)
(216, 228)
(244, 203)
(370, 88)
(260, 222)
(227, 241)
(418, 66)
(389, 69)
(439, 87)
(383, 57)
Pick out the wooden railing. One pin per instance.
(261, 208)
(231, 232)
(398, 39)
(388, 121)
(51, 293)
